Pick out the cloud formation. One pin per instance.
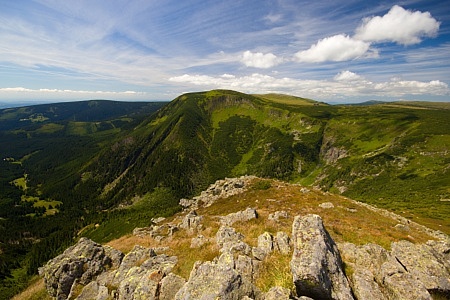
(336, 48)
(21, 93)
(259, 60)
(344, 84)
(401, 26)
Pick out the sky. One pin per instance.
(331, 51)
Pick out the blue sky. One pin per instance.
(332, 51)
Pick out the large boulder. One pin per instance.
(316, 264)
(408, 271)
(80, 263)
(420, 261)
(216, 280)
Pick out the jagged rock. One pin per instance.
(231, 241)
(227, 234)
(81, 262)
(409, 271)
(333, 154)
(247, 267)
(158, 220)
(364, 286)
(258, 253)
(366, 262)
(326, 205)
(277, 215)
(265, 242)
(170, 285)
(282, 243)
(135, 257)
(220, 189)
(316, 263)
(172, 229)
(139, 284)
(399, 284)
(420, 262)
(216, 280)
(240, 216)
(93, 291)
(185, 203)
(441, 250)
(265, 246)
(192, 221)
(277, 293)
(140, 276)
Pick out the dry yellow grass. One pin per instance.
(35, 291)
(346, 222)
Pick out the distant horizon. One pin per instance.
(135, 50)
(23, 103)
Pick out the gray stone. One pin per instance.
(81, 262)
(139, 284)
(421, 263)
(227, 234)
(170, 285)
(282, 242)
(247, 267)
(192, 222)
(134, 258)
(316, 264)
(93, 291)
(326, 205)
(365, 286)
(366, 262)
(216, 280)
(277, 293)
(399, 284)
(240, 216)
(265, 242)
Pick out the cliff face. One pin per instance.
(316, 262)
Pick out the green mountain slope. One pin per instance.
(123, 167)
(394, 156)
(42, 150)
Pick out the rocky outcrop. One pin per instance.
(407, 271)
(82, 263)
(316, 263)
(220, 189)
(218, 279)
(240, 216)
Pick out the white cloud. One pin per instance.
(343, 85)
(43, 93)
(259, 60)
(398, 25)
(336, 48)
(347, 76)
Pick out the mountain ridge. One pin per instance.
(136, 169)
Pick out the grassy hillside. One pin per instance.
(42, 150)
(121, 169)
